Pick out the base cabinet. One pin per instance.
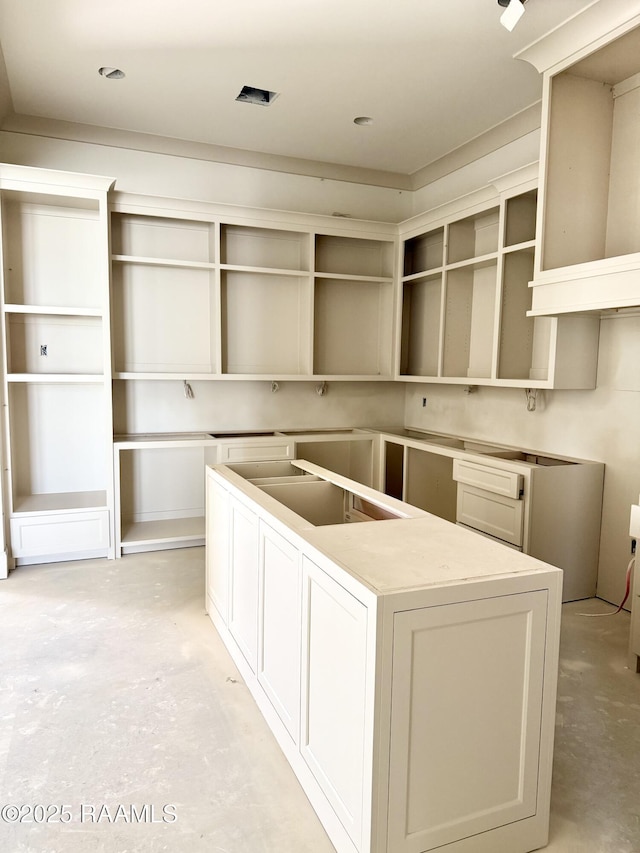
(51, 536)
(243, 580)
(446, 717)
(279, 633)
(416, 710)
(334, 697)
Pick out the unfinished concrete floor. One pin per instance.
(116, 691)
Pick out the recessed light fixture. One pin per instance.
(363, 121)
(253, 95)
(111, 73)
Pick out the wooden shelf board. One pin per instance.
(476, 380)
(163, 262)
(263, 270)
(159, 532)
(56, 378)
(520, 247)
(59, 502)
(481, 260)
(373, 279)
(425, 274)
(186, 374)
(54, 310)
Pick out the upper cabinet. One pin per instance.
(465, 299)
(207, 297)
(588, 254)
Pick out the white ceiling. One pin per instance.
(433, 74)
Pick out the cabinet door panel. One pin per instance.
(217, 547)
(465, 725)
(279, 626)
(243, 598)
(334, 694)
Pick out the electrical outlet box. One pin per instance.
(634, 522)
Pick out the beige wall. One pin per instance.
(6, 106)
(184, 177)
(602, 425)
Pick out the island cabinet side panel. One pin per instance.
(466, 717)
(335, 697)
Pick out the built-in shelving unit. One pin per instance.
(589, 220)
(159, 491)
(106, 295)
(214, 299)
(465, 299)
(56, 354)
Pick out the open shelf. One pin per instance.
(161, 492)
(53, 344)
(53, 454)
(520, 218)
(265, 324)
(353, 256)
(424, 253)
(50, 252)
(264, 248)
(162, 320)
(469, 321)
(421, 325)
(590, 214)
(168, 533)
(168, 239)
(517, 330)
(59, 502)
(353, 324)
(473, 236)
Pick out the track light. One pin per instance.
(513, 12)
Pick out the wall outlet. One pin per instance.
(634, 522)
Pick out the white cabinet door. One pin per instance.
(217, 547)
(334, 700)
(243, 593)
(279, 626)
(465, 719)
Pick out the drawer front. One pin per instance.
(496, 480)
(60, 533)
(496, 515)
(255, 451)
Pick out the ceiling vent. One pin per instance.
(252, 95)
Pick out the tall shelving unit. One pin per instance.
(57, 363)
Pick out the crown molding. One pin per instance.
(586, 31)
(515, 127)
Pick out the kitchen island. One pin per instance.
(406, 666)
